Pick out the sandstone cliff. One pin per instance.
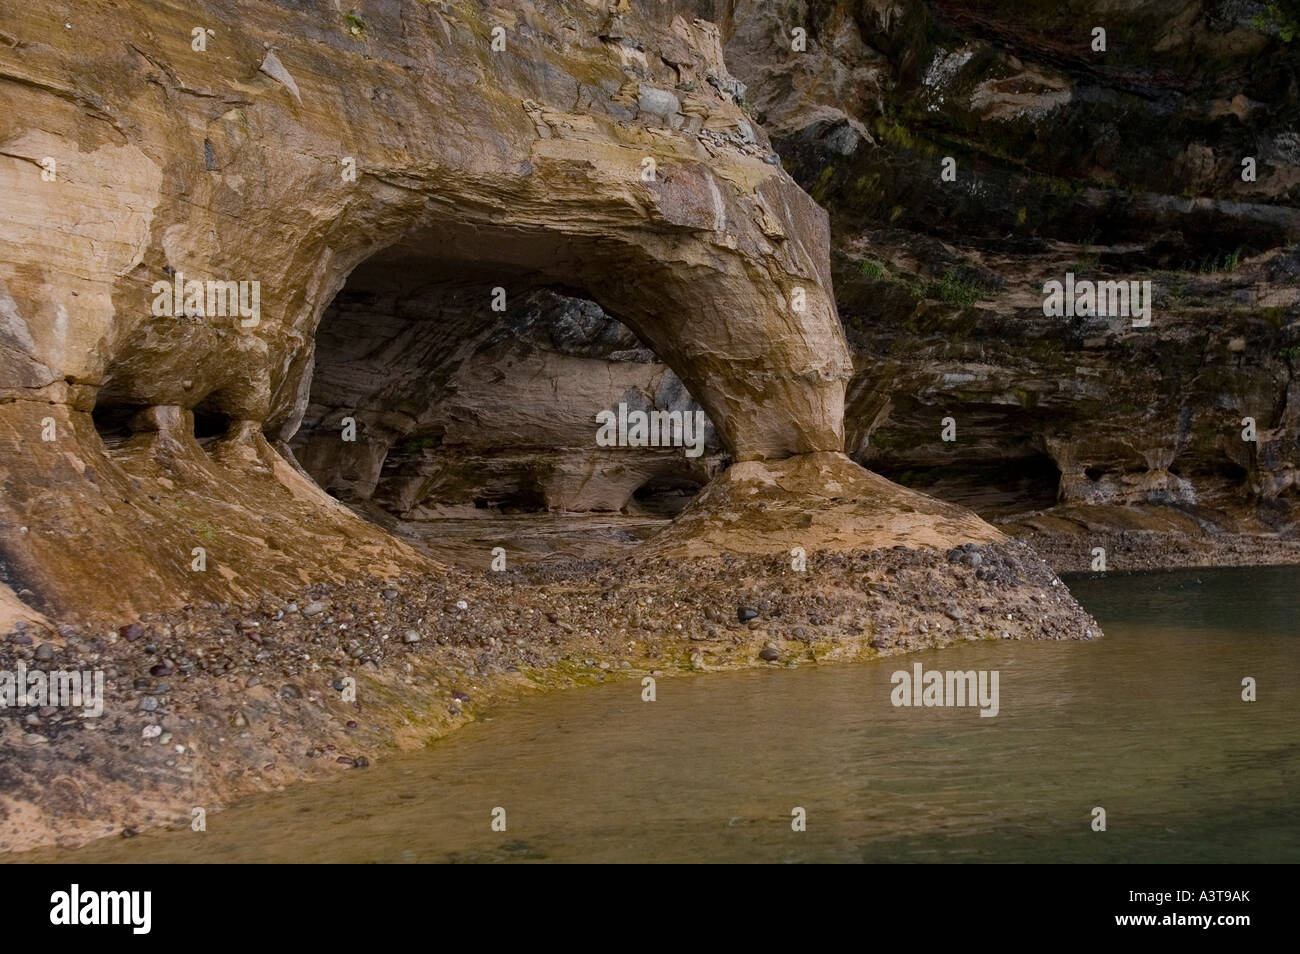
(453, 148)
(256, 253)
(1170, 156)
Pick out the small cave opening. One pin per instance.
(523, 500)
(996, 489)
(1230, 470)
(458, 400)
(209, 425)
(665, 496)
(112, 421)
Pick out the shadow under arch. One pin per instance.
(731, 333)
(455, 378)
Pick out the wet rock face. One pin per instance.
(291, 150)
(1169, 157)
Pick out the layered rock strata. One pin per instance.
(420, 245)
(970, 153)
(454, 143)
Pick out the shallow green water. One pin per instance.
(1147, 723)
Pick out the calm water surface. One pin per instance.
(1147, 723)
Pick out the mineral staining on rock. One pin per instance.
(470, 229)
(516, 165)
(1170, 158)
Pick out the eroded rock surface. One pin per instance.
(1171, 156)
(524, 168)
(462, 251)
(502, 418)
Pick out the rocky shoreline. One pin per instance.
(1130, 550)
(212, 701)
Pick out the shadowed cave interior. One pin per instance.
(474, 391)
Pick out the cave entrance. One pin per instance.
(995, 489)
(119, 424)
(665, 497)
(456, 403)
(112, 421)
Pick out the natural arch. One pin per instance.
(211, 169)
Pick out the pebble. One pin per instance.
(314, 608)
(132, 632)
(768, 653)
(290, 691)
(746, 613)
(149, 703)
(410, 636)
(45, 652)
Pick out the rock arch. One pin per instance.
(175, 162)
